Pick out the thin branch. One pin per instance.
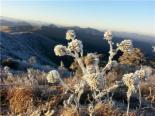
(112, 53)
(105, 91)
(80, 62)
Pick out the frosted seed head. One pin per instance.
(128, 79)
(108, 36)
(75, 45)
(125, 46)
(53, 76)
(131, 82)
(70, 35)
(60, 50)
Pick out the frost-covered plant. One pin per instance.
(93, 76)
(133, 81)
(124, 46)
(74, 48)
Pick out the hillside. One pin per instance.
(25, 40)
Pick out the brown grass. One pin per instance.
(104, 110)
(69, 112)
(20, 99)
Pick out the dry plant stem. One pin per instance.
(150, 94)
(112, 53)
(108, 65)
(150, 91)
(110, 57)
(80, 62)
(79, 96)
(91, 113)
(64, 85)
(105, 91)
(128, 108)
(140, 101)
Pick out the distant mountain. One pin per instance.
(135, 36)
(22, 43)
(12, 22)
(24, 46)
(93, 39)
(14, 25)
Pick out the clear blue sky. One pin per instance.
(123, 15)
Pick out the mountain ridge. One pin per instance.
(22, 43)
